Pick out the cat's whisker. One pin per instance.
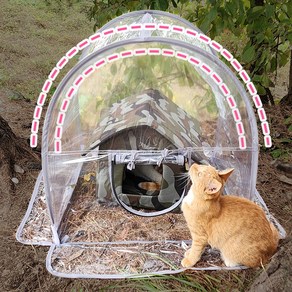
(183, 181)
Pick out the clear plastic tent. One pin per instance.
(145, 100)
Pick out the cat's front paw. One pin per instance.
(186, 263)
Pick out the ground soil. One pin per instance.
(23, 267)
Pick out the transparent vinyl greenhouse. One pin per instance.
(148, 97)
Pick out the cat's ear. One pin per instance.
(224, 174)
(213, 187)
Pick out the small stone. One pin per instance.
(5, 273)
(148, 265)
(18, 169)
(15, 180)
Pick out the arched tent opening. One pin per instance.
(148, 97)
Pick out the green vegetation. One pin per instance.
(265, 27)
(34, 36)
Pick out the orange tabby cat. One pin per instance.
(235, 226)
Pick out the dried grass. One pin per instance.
(38, 227)
(123, 243)
(135, 258)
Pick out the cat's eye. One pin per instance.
(199, 174)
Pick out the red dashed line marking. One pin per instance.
(126, 54)
(83, 44)
(240, 129)
(88, 71)
(70, 92)
(150, 26)
(164, 26)
(58, 148)
(47, 85)
(63, 61)
(177, 28)
(265, 128)
(72, 52)
(61, 117)
(33, 140)
(216, 78)
(226, 54)
(100, 63)
(78, 80)
(108, 32)
(268, 141)
(251, 88)
(262, 114)
(42, 99)
(236, 115)
(154, 51)
(244, 76)
(224, 88)
(191, 32)
(194, 61)
(136, 26)
(65, 104)
(206, 68)
(242, 142)
(203, 38)
(58, 132)
(181, 55)
(168, 52)
(231, 101)
(122, 28)
(37, 112)
(257, 101)
(236, 65)
(35, 126)
(140, 52)
(217, 47)
(54, 73)
(95, 37)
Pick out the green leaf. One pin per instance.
(265, 81)
(276, 153)
(289, 37)
(248, 54)
(288, 120)
(257, 77)
(260, 37)
(257, 10)
(231, 7)
(260, 89)
(205, 25)
(270, 10)
(273, 64)
(212, 14)
(283, 59)
(209, 18)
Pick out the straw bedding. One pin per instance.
(107, 239)
(38, 227)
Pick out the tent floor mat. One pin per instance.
(123, 260)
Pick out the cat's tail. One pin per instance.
(276, 235)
